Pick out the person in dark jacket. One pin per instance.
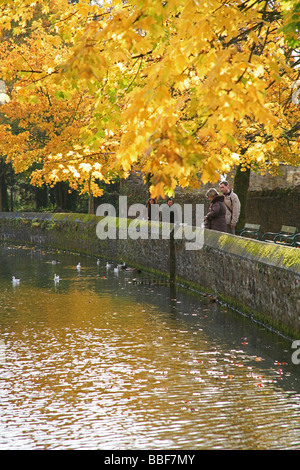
(215, 219)
(150, 202)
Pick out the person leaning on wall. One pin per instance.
(149, 205)
(233, 207)
(215, 219)
(170, 203)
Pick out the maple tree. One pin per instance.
(42, 123)
(174, 88)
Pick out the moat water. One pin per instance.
(99, 361)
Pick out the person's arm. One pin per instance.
(214, 212)
(236, 207)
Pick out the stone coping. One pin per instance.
(284, 257)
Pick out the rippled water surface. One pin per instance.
(98, 361)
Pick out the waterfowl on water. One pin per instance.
(122, 266)
(56, 278)
(15, 280)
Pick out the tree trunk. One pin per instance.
(3, 195)
(2, 172)
(241, 187)
(59, 195)
(149, 182)
(91, 204)
(1, 205)
(62, 195)
(11, 189)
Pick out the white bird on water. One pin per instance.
(78, 266)
(122, 266)
(15, 281)
(98, 262)
(108, 265)
(56, 278)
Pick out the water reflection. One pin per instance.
(100, 362)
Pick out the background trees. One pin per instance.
(174, 88)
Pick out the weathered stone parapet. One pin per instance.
(261, 279)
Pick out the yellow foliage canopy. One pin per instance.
(172, 88)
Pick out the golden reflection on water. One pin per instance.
(98, 363)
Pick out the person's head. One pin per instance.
(170, 201)
(211, 193)
(224, 187)
(151, 201)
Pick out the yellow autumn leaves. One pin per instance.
(174, 89)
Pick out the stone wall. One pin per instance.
(272, 209)
(286, 177)
(260, 279)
